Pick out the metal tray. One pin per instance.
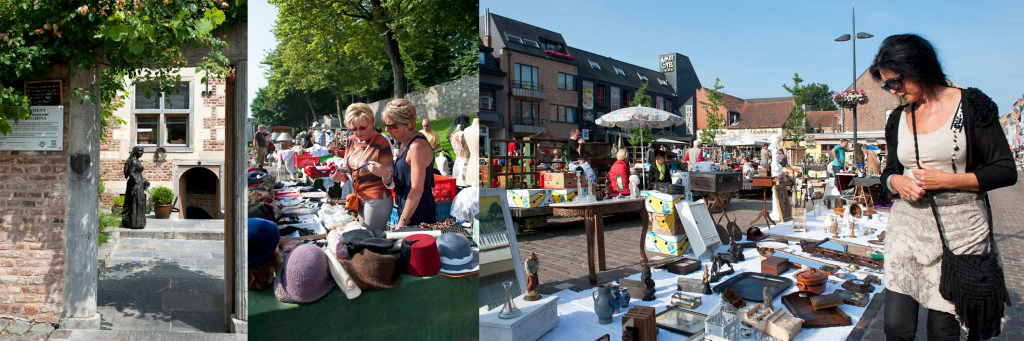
(799, 303)
(750, 285)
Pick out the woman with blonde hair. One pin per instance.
(368, 163)
(414, 180)
(619, 174)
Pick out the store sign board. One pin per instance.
(42, 130)
(668, 62)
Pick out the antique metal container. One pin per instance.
(716, 181)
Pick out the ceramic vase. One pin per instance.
(616, 298)
(603, 304)
(625, 297)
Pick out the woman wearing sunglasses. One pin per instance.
(414, 174)
(945, 152)
(368, 162)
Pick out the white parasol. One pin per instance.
(640, 117)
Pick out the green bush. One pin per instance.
(107, 220)
(103, 187)
(161, 195)
(118, 200)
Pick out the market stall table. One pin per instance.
(593, 215)
(430, 308)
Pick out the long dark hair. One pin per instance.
(910, 56)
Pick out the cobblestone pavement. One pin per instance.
(561, 245)
(12, 329)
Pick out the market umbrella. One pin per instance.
(640, 117)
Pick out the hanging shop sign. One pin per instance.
(588, 95)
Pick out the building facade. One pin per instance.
(492, 105)
(182, 135)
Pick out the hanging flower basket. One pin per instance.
(850, 98)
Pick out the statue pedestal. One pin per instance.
(537, 318)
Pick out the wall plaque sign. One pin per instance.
(44, 93)
(42, 130)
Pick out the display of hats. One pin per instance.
(255, 177)
(283, 137)
(263, 239)
(305, 276)
(458, 257)
(372, 270)
(362, 238)
(424, 259)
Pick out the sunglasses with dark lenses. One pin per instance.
(893, 84)
(392, 126)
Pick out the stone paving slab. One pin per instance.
(195, 229)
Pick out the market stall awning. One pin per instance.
(741, 140)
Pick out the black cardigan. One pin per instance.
(988, 153)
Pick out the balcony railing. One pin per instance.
(527, 89)
(527, 120)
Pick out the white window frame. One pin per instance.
(642, 77)
(489, 101)
(594, 65)
(618, 71)
(162, 113)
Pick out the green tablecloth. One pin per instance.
(421, 308)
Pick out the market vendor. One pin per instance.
(944, 175)
(872, 167)
(659, 170)
(619, 175)
(368, 163)
(838, 154)
(414, 179)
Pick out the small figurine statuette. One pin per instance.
(532, 265)
(707, 284)
(767, 298)
(645, 277)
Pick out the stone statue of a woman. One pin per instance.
(134, 214)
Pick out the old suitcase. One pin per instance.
(774, 266)
(716, 181)
(826, 301)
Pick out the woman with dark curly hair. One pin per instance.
(945, 152)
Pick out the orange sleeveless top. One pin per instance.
(364, 184)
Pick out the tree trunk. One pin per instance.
(341, 114)
(397, 65)
(312, 113)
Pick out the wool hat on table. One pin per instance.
(424, 259)
(305, 276)
(458, 257)
(372, 270)
(263, 239)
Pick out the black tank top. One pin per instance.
(426, 211)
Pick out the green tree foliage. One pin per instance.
(356, 48)
(715, 121)
(639, 135)
(815, 96)
(134, 39)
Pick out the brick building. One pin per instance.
(188, 127)
(761, 117)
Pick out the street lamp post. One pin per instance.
(854, 36)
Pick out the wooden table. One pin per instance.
(520, 215)
(593, 215)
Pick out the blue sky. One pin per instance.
(755, 46)
(262, 17)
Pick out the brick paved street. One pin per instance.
(561, 245)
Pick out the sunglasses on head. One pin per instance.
(893, 84)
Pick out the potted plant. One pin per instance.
(161, 197)
(118, 202)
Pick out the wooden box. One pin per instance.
(639, 324)
(635, 288)
(774, 266)
(681, 266)
(763, 181)
(716, 181)
(557, 180)
(667, 224)
(826, 301)
(537, 318)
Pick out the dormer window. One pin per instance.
(530, 42)
(619, 71)
(662, 82)
(642, 77)
(734, 118)
(594, 65)
(515, 39)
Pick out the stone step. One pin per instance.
(173, 233)
(93, 335)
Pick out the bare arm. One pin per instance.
(418, 159)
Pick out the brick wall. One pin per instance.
(113, 170)
(33, 210)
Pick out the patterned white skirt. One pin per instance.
(913, 250)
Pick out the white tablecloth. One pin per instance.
(579, 322)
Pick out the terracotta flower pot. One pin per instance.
(162, 211)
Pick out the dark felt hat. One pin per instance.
(372, 270)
